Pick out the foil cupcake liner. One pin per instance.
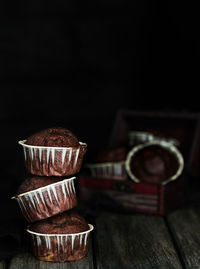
(163, 144)
(111, 170)
(53, 161)
(137, 137)
(47, 201)
(60, 247)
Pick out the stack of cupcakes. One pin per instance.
(46, 197)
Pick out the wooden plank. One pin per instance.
(28, 261)
(133, 241)
(185, 227)
(2, 265)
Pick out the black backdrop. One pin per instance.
(74, 64)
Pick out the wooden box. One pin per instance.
(126, 195)
(185, 127)
(129, 196)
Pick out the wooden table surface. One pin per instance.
(133, 241)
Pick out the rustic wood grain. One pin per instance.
(28, 261)
(2, 265)
(124, 241)
(185, 227)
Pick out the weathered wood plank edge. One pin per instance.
(133, 241)
(185, 228)
(173, 239)
(2, 264)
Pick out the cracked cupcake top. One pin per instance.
(66, 223)
(53, 137)
(33, 183)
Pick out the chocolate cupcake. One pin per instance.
(43, 197)
(115, 154)
(60, 238)
(53, 152)
(110, 163)
(154, 162)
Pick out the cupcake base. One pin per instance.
(60, 247)
(48, 201)
(53, 161)
(111, 170)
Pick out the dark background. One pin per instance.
(75, 64)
